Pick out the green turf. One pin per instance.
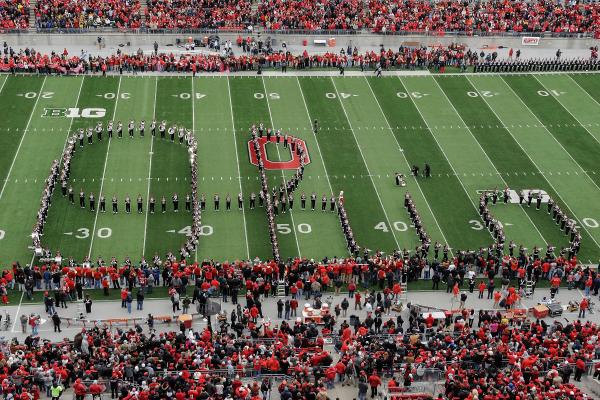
(477, 132)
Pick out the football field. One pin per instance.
(478, 132)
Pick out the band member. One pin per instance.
(63, 188)
(252, 200)
(153, 127)
(115, 206)
(127, 204)
(80, 136)
(203, 202)
(283, 204)
(90, 136)
(119, 129)
(315, 126)
(188, 202)
(92, 202)
(172, 131)
(427, 171)
(332, 204)
(163, 205)
(109, 129)
(162, 128)
(313, 201)
(261, 198)
(291, 200)
(140, 208)
(152, 204)
(99, 130)
(324, 202)
(506, 195)
(81, 199)
(130, 128)
(228, 202)
(175, 202)
(240, 201)
(303, 201)
(217, 200)
(538, 201)
(142, 127)
(102, 201)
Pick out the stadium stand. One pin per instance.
(379, 16)
(211, 14)
(14, 14)
(51, 14)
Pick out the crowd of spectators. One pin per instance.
(14, 14)
(310, 14)
(75, 14)
(488, 16)
(381, 16)
(29, 60)
(204, 14)
(492, 357)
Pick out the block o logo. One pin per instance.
(294, 163)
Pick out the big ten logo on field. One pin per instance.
(514, 198)
(294, 163)
(74, 112)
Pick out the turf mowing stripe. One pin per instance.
(589, 83)
(532, 137)
(250, 108)
(572, 137)
(283, 175)
(381, 154)
(491, 136)
(17, 107)
(217, 155)
(570, 97)
(150, 169)
(437, 114)
(366, 165)
(342, 157)
(420, 147)
(289, 110)
(122, 235)
(167, 232)
(104, 171)
(69, 228)
(420, 198)
(21, 141)
(43, 143)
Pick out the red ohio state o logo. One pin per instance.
(294, 163)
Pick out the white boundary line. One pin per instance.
(552, 186)
(442, 151)
(149, 171)
(237, 159)
(37, 99)
(93, 233)
(282, 173)
(486, 154)
(365, 162)
(406, 160)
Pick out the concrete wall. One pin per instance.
(362, 41)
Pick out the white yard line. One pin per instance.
(315, 135)
(579, 86)
(37, 99)
(365, 162)
(93, 234)
(149, 171)
(486, 154)
(406, 161)
(534, 163)
(282, 173)
(3, 83)
(444, 153)
(237, 163)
